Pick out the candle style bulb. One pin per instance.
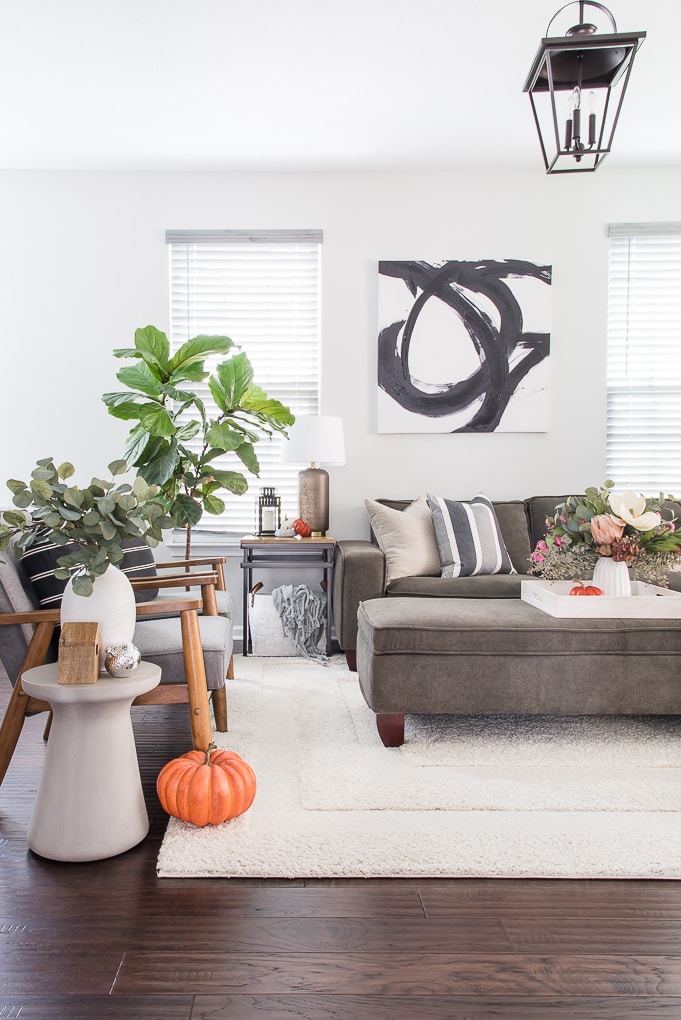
(576, 113)
(592, 118)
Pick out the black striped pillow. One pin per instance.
(39, 563)
(469, 537)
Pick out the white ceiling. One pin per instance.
(303, 84)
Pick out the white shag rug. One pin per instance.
(480, 796)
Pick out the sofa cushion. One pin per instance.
(406, 538)
(481, 586)
(538, 509)
(469, 537)
(512, 517)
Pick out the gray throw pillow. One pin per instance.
(469, 537)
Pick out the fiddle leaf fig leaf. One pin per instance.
(160, 469)
(185, 511)
(139, 377)
(194, 352)
(223, 437)
(277, 414)
(231, 381)
(156, 420)
(234, 481)
(153, 345)
(246, 454)
(126, 410)
(213, 504)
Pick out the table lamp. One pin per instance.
(314, 439)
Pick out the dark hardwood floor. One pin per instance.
(108, 939)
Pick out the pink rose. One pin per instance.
(606, 529)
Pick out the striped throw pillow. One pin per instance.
(469, 537)
(39, 563)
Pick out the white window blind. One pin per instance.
(261, 289)
(644, 358)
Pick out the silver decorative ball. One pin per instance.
(121, 660)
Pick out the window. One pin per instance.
(261, 288)
(644, 358)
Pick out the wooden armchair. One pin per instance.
(185, 635)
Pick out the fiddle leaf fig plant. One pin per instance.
(177, 443)
(93, 521)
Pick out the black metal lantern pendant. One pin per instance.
(576, 85)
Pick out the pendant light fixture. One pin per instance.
(576, 86)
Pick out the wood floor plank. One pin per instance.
(400, 974)
(434, 1007)
(545, 897)
(629, 936)
(323, 935)
(96, 1007)
(58, 971)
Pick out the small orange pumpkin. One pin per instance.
(206, 787)
(585, 589)
(301, 528)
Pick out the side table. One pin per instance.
(90, 803)
(274, 553)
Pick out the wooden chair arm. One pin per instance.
(216, 562)
(193, 562)
(174, 581)
(30, 616)
(168, 607)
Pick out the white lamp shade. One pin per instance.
(315, 439)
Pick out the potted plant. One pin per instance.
(93, 522)
(175, 443)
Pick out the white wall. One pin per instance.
(83, 263)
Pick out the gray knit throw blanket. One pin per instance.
(303, 618)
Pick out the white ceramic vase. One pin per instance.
(612, 576)
(111, 605)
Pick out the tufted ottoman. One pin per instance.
(503, 656)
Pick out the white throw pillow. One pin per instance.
(406, 538)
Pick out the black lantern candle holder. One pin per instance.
(269, 511)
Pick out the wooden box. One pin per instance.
(78, 659)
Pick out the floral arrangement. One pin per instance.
(625, 526)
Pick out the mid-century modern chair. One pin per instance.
(187, 636)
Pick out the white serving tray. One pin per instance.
(646, 602)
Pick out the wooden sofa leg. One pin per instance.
(230, 668)
(219, 699)
(390, 726)
(351, 658)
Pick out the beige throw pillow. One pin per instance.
(406, 538)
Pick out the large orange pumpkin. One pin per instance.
(206, 787)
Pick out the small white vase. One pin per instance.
(111, 605)
(612, 576)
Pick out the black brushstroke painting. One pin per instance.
(506, 352)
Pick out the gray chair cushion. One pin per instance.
(160, 641)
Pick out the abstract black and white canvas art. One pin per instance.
(463, 346)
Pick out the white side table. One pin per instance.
(90, 802)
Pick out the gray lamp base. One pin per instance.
(313, 499)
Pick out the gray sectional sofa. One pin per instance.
(360, 567)
(423, 643)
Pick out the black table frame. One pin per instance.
(273, 553)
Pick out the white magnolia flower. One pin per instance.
(630, 507)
